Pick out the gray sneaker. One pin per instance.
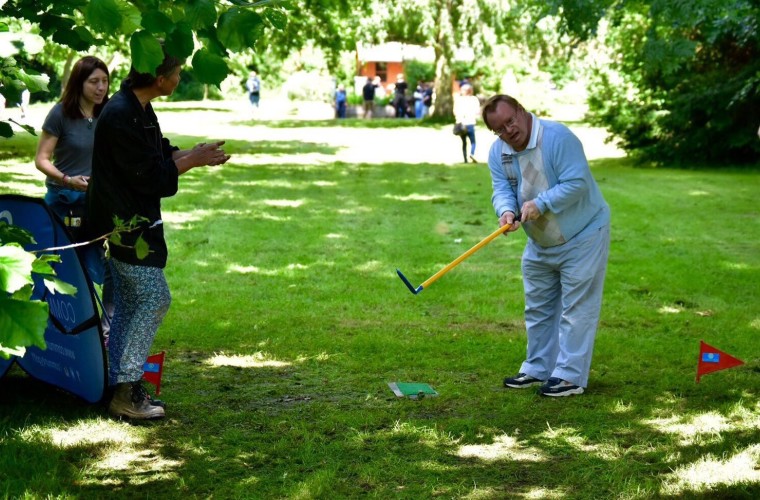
(556, 387)
(129, 400)
(521, 381)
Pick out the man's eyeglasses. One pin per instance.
(510, 124)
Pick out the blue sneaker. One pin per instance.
(556, 387)
(521, 381)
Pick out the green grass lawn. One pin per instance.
(288, 321)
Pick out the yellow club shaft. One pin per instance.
(485, 241)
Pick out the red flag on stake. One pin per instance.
(152, 370)
(712, 360)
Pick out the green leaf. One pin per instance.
(137, 219)
(28, 128)
(131, 18)
(8, 352)
(22, 323)
(15, 267)
(86, 36)
(23, 293)
(179, 42)
(42, 266)
(51, 24)
(147, 54)
(4, 28)
(49, 257)
(35, 82)
(239, 29)
(278, 18)
(200, 13)
(56, 285)
(141, 248)
(211, 42)
(14, 234)
(103, 16)
(5, 129)
(209, 68)
(157, 22)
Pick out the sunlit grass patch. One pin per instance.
(708, 427)
(255, 360)
(698, 429)
(283, 203)
(287, 270)
(417, 197)
(503, 447)
(710, 472)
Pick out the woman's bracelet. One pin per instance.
(65, 180)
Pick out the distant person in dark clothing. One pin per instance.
(427, 99)
(399, 97)
(341, 101)
(368, 92)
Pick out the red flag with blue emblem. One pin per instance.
(152, 370)
(712, 360)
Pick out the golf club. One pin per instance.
(454, 263)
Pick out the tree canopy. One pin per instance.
(203, 30)
(670, 79)
(681, 82)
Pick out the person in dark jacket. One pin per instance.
(368, 93)
(133, 168)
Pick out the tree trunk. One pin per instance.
(444, 51)
(67, 70)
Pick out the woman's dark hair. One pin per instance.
(139, 80)
(493, 101)
(81, 71)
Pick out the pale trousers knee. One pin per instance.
(563, 300)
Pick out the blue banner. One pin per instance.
(75, 358)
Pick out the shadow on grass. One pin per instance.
(19, 178)
(264, 431)
(377, 123)
(22, 146)
(273, 148)
(322, 422)
(169, 109)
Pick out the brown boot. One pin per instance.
(129, 400)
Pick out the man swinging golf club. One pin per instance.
(539, 170)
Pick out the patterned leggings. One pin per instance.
(141, 298)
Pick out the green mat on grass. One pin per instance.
(412, 390)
